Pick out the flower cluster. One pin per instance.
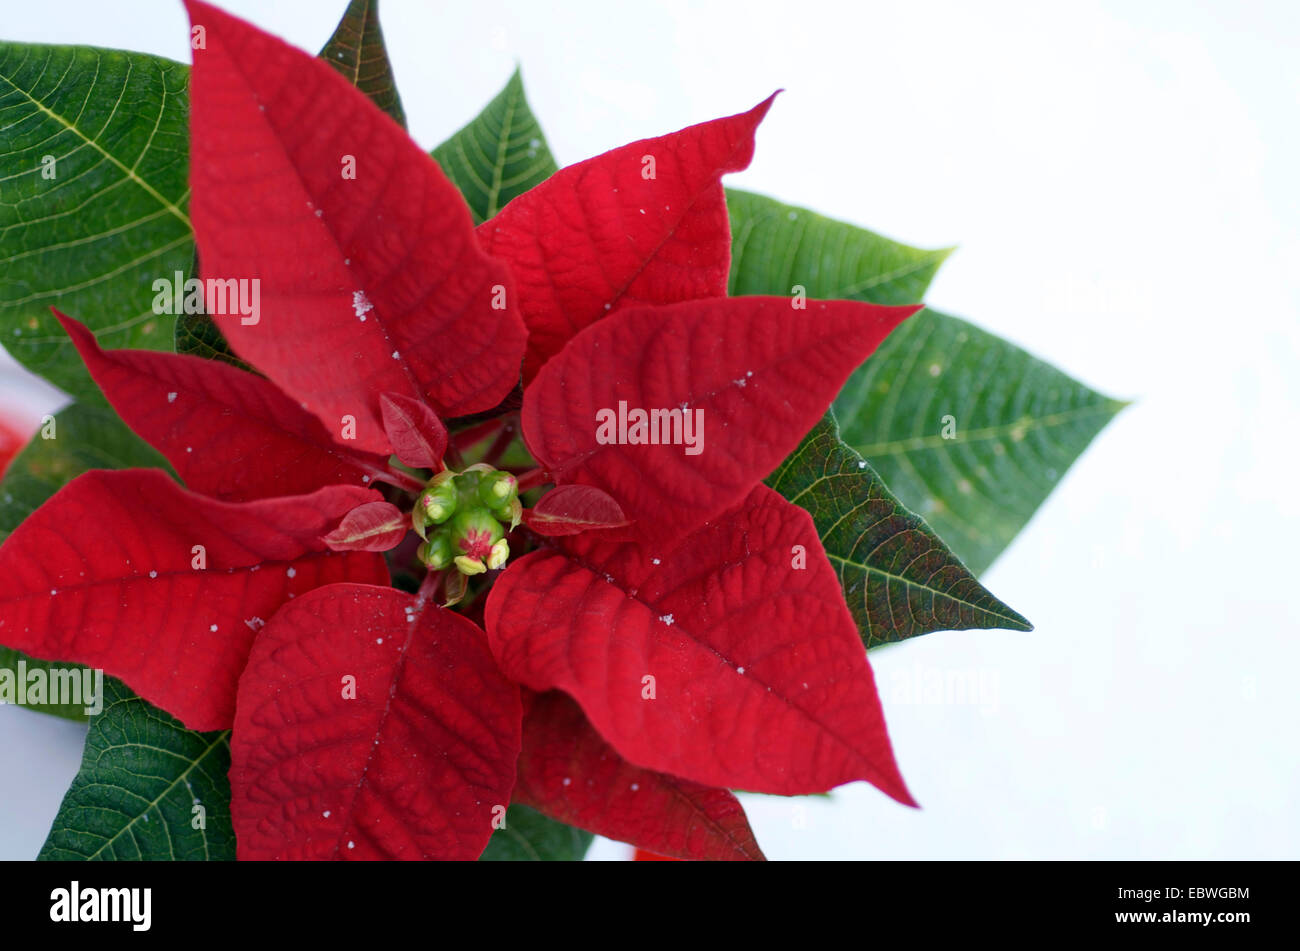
(611, 630)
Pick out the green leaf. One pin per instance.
(111, 128)
(499, 155)
(198, 335)
(898, 578)
(775, 247)
(78, 439)
(1019, 422)
(357, 51)
(83, 438)
(1016, 425)
(529, 836)
(10, 660)
(148, 789)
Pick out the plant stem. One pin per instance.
(500, 444)
(533, 478)
(429, 587)
(402, 480)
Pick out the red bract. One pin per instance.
(731, 384)
(369, 284)
(569, 772)
(166, 588)
(679, 623)
(413, 766)
(713, 674)
(642, 224)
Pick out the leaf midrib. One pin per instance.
(222, 737)
(130, 173)
(1025, 425)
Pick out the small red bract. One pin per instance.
(677, 626)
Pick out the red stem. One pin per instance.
(402, 480)
(429, 587)
(500, 444)
(474, 434)
(533, 478)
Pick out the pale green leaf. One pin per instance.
(499, 155)
(970, 431)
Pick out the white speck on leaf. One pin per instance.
(667, 619)
(361, 304)
(291, 572)
(171, 397)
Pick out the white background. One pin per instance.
(1121, 178)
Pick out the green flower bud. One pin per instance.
(497, 489)
(513, 512)
(473, 507)
(437, 503)
(437, 552)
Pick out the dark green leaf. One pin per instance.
(499, 155)
(83, 438)
(93, 238)
(357, 51)
(148, 789)
(529, 836)
(899, 579)
(1016, 425)
(775, 247)
(199, 336)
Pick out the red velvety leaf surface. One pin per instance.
(570, 509)
(102, 574)
(760, 679)
(228, 433)
(598, 235)
(418, 436)
(412, 768)
(761, 372)
(374, 526)
(270, 128)
(568, 772)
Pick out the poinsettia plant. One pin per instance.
(489, 505)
